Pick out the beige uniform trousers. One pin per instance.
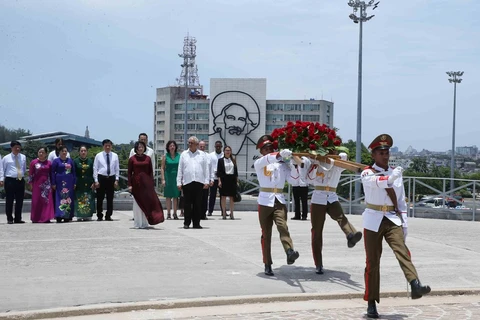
(393, 235)
(266, 217)
(318, 214)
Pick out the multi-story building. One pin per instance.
(467, 151)
(237, 113)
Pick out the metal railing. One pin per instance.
(250, 186)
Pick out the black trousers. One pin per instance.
(204, 203)
(192, 195)
(107, 188)
(14, 190)
(300, 194)
(213, 196)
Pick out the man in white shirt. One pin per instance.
(271, 174)
(202, 147)
(298, 180)
(385, 217)
(14, 167)
(192, 178)
(106, 172)
(54, 154)
(214, 156)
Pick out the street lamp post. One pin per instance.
(359, 15)
(455, 78)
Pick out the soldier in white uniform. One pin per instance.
(385, 217)
(271, 173)
(325, 178)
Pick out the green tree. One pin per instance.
(12, 134)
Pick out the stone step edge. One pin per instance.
(105, 308)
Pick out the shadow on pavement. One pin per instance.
(295, 276)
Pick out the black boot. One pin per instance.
(353, 238)
(268, 270)
(418, 290)
(319, 270)
(372, 310)
(292, 255)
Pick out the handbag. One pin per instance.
(237, 197)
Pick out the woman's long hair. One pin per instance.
(232, 157)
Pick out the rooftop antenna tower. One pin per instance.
(189, 75)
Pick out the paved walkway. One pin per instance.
(48, 266)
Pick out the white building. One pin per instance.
(237, 113)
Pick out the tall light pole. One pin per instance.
(455, 78)
(359, 15)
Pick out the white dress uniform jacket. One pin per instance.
(271, 173)
(325, 175)
(298, 175)
(375, 193)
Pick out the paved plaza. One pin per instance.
(91, 267)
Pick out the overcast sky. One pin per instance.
(68, 64)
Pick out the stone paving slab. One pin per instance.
(89, 263)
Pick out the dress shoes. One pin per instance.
(372, 310)
(197, 227)
(99, 219)
(418, 290)
(268, 270)
(10, 222)
(108, 219)
(186, 227)
(292, 255)
(353, 238)
(19, 221)
(319, 270)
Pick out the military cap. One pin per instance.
(383, 141)
(264, 140)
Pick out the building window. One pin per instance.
(159, 113)
(274, 117)
(159, 103)
(178, 138)
(311, 117)
(202, 127)
(179, 106)
(275, 107)
(201, 116)
(179, 126)
(293, 107)
(292, 117)
(179, 116)
(271, 127)
(190, 126)
(311, 107)
(202, 106)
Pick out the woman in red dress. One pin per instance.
(140, 184)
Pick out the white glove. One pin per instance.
(397, 173)
(285, 153)
(343, 156)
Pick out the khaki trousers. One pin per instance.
(318, 214)
(266, 217)
(393, 235)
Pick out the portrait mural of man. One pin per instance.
(237, 117)
(236, 120)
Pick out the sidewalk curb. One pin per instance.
(208, 302)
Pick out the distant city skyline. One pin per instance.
(66, 65)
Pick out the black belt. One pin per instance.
(10, 178)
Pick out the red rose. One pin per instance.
(305, 140)
(337, 142)
(275, 144)
(316, 137)
(313, 146)
(325, 143)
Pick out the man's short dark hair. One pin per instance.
(105, 141)
(142, 134)
(219, 141)
(135, 147)
(168, 143)
(15, 143)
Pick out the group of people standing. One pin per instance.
(197, 176)
(62, 188)
(384, 217)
